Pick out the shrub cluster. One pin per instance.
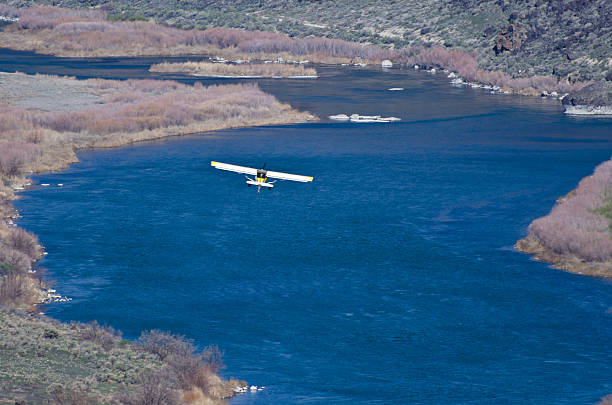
(192, 368)
(19, 250)
(579, 225)
(89, 32)
(465, 65)
(15, 155)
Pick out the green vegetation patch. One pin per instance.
(606, 209)
(38, 354)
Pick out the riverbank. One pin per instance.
(576, 235)
(48, 362)
(594, 99)
(44, 120)
(89, 33)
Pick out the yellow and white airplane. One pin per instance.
(261, 175)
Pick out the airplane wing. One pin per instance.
(287, 176)
(234, 168)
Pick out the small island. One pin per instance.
(248, 70)
(577, 234)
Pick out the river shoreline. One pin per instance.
(575, 235)
(23, 287)
(531, 245)
(90, 34)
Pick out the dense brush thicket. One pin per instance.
(19, 285)
(581, 224)
(88, 32)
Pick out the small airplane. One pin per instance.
(261, 175)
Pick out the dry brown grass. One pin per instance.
(270, 70)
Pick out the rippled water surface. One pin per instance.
(391, 278)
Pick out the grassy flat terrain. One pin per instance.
(38, 356)
(43, 361)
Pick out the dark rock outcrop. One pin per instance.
(510, 39)
(596, 94)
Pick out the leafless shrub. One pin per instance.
(164, 344)
(212, 358)
(137, 105)
(154, 388)
(189, 371)
(105, 335)
(24, 242)
(465, 65)
(48, 17)
(18, 261)
(17, 290)
(15, 155)
(192, 368)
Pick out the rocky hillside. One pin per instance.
(522, 38)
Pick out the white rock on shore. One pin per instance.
(8, 19)
(339, 117)
(457, 82)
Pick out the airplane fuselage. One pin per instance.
(259, 183)
(261, 180)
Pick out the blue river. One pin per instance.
(391, 279)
